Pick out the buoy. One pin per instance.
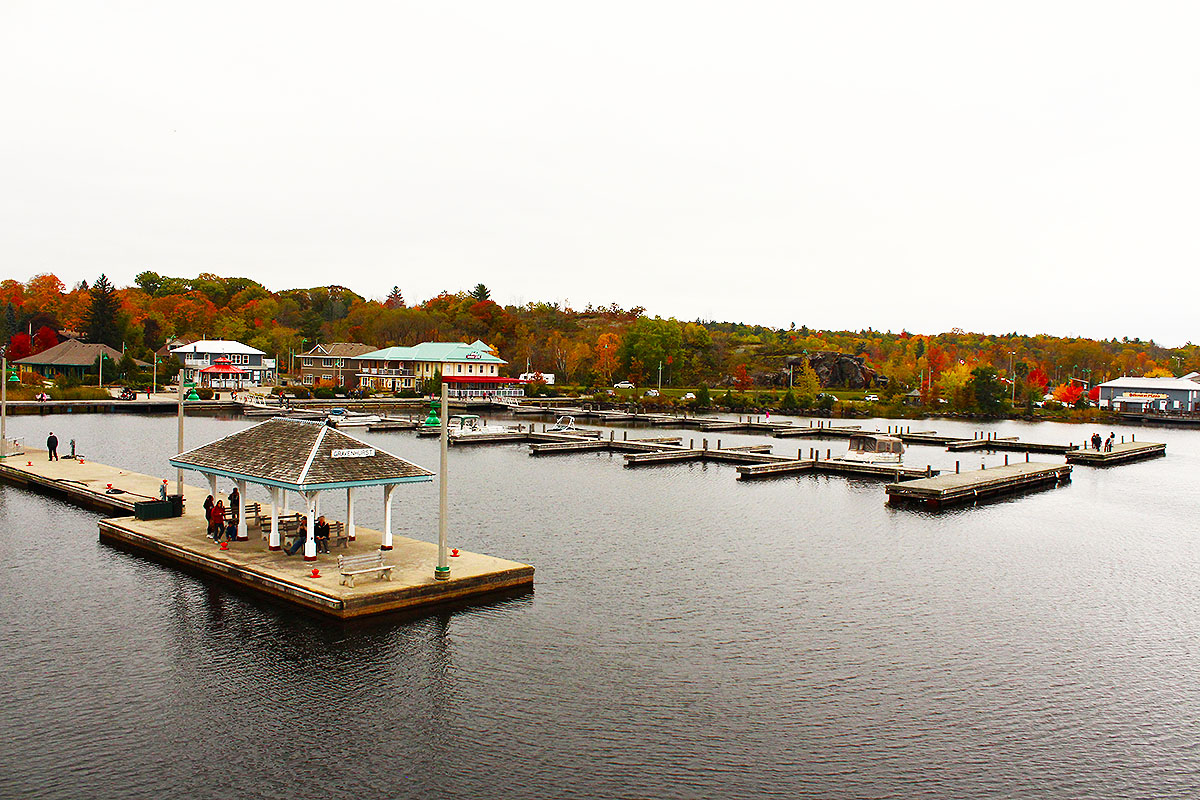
(454, 553)
(224, 545)
(316, 573)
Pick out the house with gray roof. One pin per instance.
(1129, 393)
(470, 371)
(73, 359)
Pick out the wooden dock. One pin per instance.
(967, 487)
(181, 542)
(1120, 454)
(832, 467)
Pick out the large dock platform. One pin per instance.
(1120, 454)
(967, 487)
(181, 542)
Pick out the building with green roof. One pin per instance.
(469, 370)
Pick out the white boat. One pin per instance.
(462, 426)
(874, 448)
(344, 418)
(564, 424)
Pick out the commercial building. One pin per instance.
(332, 364)
(1149, 395)
(257, 369)
(470, 371)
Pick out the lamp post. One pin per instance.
(659, 376)
(442, 571)
(3, 402)
(1012, 378)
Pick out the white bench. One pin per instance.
(352, 566)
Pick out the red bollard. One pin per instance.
(316, 573)
(224, 545)
(454, 553)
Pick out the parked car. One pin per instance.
(690, 396)
(872, 398)
(624, 385)
(823, 395)
(652, 393)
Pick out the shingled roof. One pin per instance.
(300, 455)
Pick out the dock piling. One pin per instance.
(955, 467)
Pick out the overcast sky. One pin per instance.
(994, 167)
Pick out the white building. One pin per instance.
(1152, 394)
(252, 361)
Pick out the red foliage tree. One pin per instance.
(19, 346)
(741, 378)
(44, 339)
(1038, 378)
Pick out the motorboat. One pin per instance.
(462, 426)
(344, 418)
(564, 424)
(874, 448)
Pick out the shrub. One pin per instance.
(204, 392)
(79, 393)
(323, 393)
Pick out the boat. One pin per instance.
(874, 448)
(462, 426)
(344, 418)
(564, 424)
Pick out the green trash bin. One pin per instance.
(152, 509)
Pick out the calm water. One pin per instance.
(690, 636)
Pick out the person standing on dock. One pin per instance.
(208, 507)
(216, 521)
(52, 446)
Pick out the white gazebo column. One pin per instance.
(310, 542)
(273, 543)
(287, 506)
(241, 512)
(212, 486)
(350, 513)
(387, 516)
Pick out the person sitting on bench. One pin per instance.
(301, 537)
(321, 534)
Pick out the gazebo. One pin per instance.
(224, 371)
(306, 457)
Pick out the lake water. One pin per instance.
(689, 636)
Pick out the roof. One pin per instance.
(222, 367)
(73, 353)
(300, 455)
(340, 349)
(480, 379)
(476, 352)
(1153, 384)
(218, 346)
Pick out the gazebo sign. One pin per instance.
(357, 452)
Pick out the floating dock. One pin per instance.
(967, 487)
(181, 542)
(1120, 454)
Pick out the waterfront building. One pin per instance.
(72, 359)
(1128, 393)
(471, 371)
(197, 356)
(332, 364)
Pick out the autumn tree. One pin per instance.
(605, 360)
(20, 346)
(44, 339)
(395, 299)
(986, 390)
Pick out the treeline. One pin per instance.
(593, 346)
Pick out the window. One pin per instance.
(308, 380)
(327, 362)
(470, 367)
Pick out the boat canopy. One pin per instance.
(875, 443)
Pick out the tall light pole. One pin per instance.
(660, 376)
(442, 571)
(3, 402)
(1012, 378)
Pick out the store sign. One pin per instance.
(474, 355)
(1151, 395)
(359, 452)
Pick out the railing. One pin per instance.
(368, 372)
(14, 446)
(484, 394)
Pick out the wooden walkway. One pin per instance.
(968, 487)
(181, 542)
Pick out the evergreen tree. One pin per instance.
(481, 293)
(8, 322)
(395, 299)
(100, 321)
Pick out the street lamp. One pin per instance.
(3, 402)
(1012, 378)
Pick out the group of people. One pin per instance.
(320, 536)
(214, 512)
(1105, 445)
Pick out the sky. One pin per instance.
(995, 167)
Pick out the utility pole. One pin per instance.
(660, 376)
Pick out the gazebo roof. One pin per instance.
(300, 455)
(222, 367)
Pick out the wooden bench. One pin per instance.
(287, 522)
(352, 566)
(337, 534)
